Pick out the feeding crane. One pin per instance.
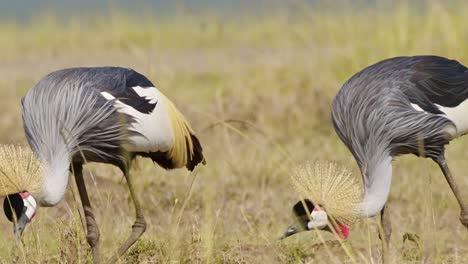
(103, 114)
(403, 105)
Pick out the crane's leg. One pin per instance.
(138, 228)
(385, 231)
(92, 229)
(454, 186)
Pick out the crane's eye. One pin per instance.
(13, 204)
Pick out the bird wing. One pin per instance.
(160, 131)
(120, 83)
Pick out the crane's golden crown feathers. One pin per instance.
(331, 187)
(20, 170)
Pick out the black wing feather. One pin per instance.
(122, 81)
(437, 80)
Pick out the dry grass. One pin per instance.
(258, 91)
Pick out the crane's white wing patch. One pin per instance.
(154, 130)
(417, 108)
(151, 94)
(458, 115)
(455, 114)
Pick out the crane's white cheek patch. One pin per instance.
(154, 130)
(319, 220)
(31, 206)
(458, 115)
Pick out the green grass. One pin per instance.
(258, 92)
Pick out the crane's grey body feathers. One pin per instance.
(403, 105)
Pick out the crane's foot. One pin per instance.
(464, 218)
(94, 249)
(138, 228)
(387, 231)
(413, 238)
(92, 234)
(93, 240)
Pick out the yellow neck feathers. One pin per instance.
(19, 170)
(183, 145)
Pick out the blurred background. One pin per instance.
(256, 80)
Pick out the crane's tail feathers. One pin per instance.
(197, 156)
(186, 150)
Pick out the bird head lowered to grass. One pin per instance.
(20, 184)
(330, 199)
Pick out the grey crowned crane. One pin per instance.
(104, 114)
(404, 105)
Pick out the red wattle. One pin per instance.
(344, 231)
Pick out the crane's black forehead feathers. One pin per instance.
(13, 203)
(299, 209)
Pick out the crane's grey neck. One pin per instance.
(377, 182)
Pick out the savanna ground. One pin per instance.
(258, 91)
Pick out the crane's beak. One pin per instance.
(292, 229)
(19, 226)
